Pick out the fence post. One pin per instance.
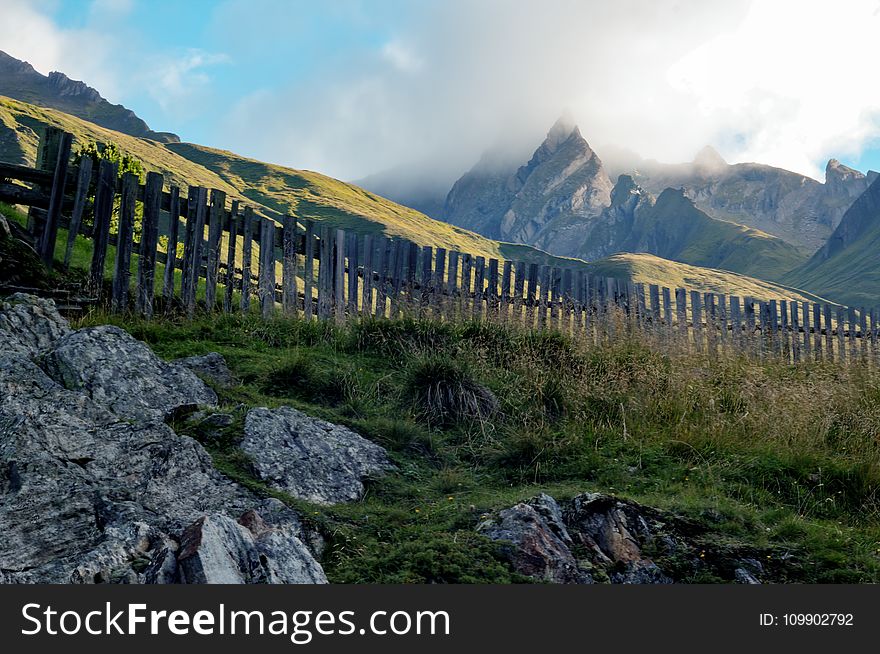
(479, 278)
(309, 270)
(47, 157)
(438, 299)
(171, 250)
(122, 269)
(147, 250)
(367, 289)
(353, 274)
(106, 189)
(288, 268)
(84, 178)
(427, 282)
(215, 230)
(339, 278)
(231, 245)
(192, 249)
(56, 199)
(247, 249)
(382, 276)
(267, 267)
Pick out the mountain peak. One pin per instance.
(562, 130)
(835, 170)
(709, 159)
(625, 188)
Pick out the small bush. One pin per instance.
(444, 391)
(299, 376)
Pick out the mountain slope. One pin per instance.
(788, 205)
(672, 227)
(274, 190)
(847, 268)
(19, 80)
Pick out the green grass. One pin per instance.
(784, 461)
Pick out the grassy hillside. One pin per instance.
(648, 269)
(696, 437)
(275, 190)
(847, 268)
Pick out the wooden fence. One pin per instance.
(234, 260)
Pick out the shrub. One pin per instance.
(444, 391)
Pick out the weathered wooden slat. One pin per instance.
(247, 248)
(325, 273)
(382, 275)
(398, 256)
(267, 268)
(56, 198)
(577, 297)
(452, 284)
(875, 333)
(231, 245)
(784, 337)
(171, 258)
(775, 345)
(667, 310)
(697, 319)
(795, 332)
(84, 178)
(367, 288)
(352, 246)
(195, 227)
(654, 296)
(479, 281)
(426, 282)
(289, 293)
(735, 320)
(339, 277)
(817, 331)
(711, 310)
(122, 267)
(519, 284)
(309, 270)
(531, 293)
(681, 314)
(852, 321)
(805, 318)
(492, 300)
(829, 331)
(438, 301)
(105, 190)
(410, 301)
(147, 249)
(543, 296)
(841, 334)
(212, 254)
(553, 296)
(466, 285)
(721, 309)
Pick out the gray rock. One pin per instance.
(211, 367)
(88, 498)
(309, 458)
(122, 374)
(538, 543)
(30, 325)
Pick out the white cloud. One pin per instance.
(174, 81)
(401, 57)
(792, 81)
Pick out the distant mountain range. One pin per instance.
(707, 224)
(19, 80)
(748, 218)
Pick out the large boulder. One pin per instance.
(308, 458)
(597, 537)
(122, 374)
(86, 497)
(210, 367)
(536, 541)
(30, 325)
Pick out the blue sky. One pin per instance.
(352, 87)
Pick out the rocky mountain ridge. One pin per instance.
(19, 80)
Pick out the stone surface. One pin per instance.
(538, 541)
(123, 375)
(87, 496)
(30, 325)
(309, 458)
(601, 538)
(211, 367)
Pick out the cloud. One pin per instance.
(783, 82)
(174, 81)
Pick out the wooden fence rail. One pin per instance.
(215, 252)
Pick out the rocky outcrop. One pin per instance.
(92, 491)
(30, 325)
(600, 538)
(122, 374)
(563, 182)
(210, 367)
(19, 80)
(309, 458)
